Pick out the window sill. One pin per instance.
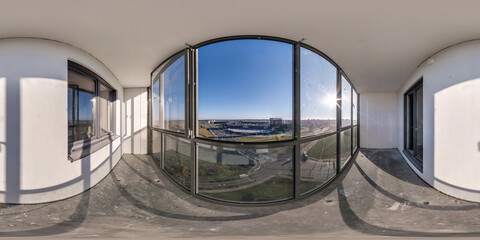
(79, 150)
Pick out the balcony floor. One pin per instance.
(377, 195)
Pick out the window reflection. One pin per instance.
(81, 103)
(156, 103)
(346, 103)
(173, 96)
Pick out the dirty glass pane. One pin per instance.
(178, 161)
(345, 146)
(318, 162)
(245, 175)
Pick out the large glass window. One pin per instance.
(173, 97)
(318, 87)
(346, 103)
(245, 91)
(263, 119)
(90, 108)
(81, 107)
(245, 175)
(156, 103)
(177, 160)
(318, 162)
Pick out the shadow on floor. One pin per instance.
(359, 199)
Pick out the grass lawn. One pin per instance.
(276, 188)
(267, 138)
(325, 148)
(205, 133)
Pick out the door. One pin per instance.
(414, 124)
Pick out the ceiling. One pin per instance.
(378, 43)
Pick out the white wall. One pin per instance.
(33, 123)
(451, 129)
(136, 113)
(378, 120)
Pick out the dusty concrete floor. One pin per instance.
(377, 196)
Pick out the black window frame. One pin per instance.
(81, 148)
(191, 118)
(164, 66)
(411, 154)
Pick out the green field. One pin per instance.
(220, 171)
(203, 132)
(325, 148)
(264, 138)
(178, 166)
(276, 188)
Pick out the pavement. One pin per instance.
(377, 196)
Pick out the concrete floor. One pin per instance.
(377, 196)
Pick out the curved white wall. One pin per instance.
(33, 123)
(451, 110)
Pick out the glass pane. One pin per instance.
(345, 146)
(419, 147)
(354, 140)
(318, 162)
(156, 146)
(156, 104)
(355, 108)
(173, 97)
(318, 84)
(105, 109)
(420, 107)
(346, 103)
(81, 95)
(70, 115)
(409, 121)
(245, 90)
(178, 162)
(245, 175)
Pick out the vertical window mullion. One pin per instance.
(296, 116)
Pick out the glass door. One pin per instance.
(414, 124)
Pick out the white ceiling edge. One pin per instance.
(378, 43)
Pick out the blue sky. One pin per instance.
(252, 79)
(245, 79)
(318, 86)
